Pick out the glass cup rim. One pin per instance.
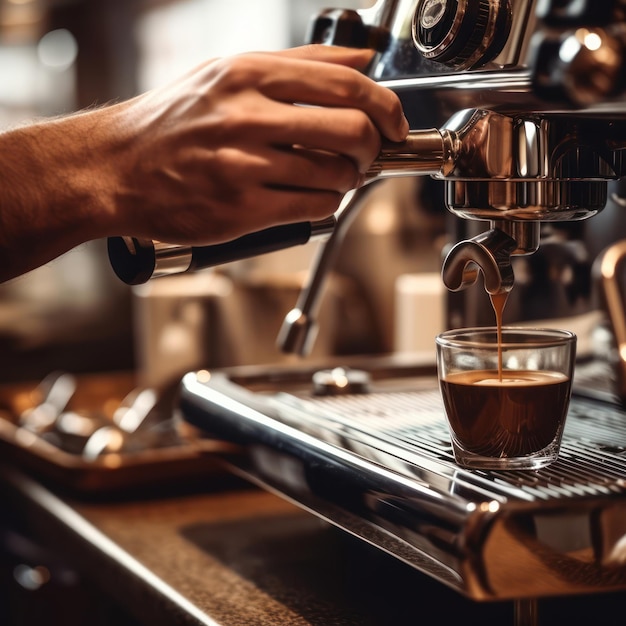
(544, 337)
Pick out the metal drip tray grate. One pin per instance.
(380, 465)
(593, 452)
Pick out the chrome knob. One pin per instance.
(462, 34)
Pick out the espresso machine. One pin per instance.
(518, 108)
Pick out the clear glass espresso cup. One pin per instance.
(506, 402)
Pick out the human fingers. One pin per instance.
(272, 206)
(214, 196)
(292, 205)
(296, 167)
(231, 173)
(346, 132)
(357, 58)
(254, 208)
(319, 83)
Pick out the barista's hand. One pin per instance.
(224, 151)
(237, 145)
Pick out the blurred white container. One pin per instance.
(420, 311)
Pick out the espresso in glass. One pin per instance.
(506, 394)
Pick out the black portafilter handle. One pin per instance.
(135, 261)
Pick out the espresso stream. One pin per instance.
(498, 302)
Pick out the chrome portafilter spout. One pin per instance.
(489, 253)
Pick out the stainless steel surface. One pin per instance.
(52, 395)
(428, 151)
(170, 259)
(516, 75)
(539, 166)
(609, 274)
(380, 466)
(399, 57)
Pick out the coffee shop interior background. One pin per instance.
(61, 55)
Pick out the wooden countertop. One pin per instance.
(232, 555)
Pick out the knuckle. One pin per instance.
(351, 89)
(225, 167)
(238, 72)
(233, 124)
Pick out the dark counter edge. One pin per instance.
(120, 575)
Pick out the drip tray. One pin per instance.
(375, 459)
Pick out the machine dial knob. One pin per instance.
(462, 34)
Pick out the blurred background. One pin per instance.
(61, 55)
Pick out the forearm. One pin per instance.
(215, 155)
(52, 192)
